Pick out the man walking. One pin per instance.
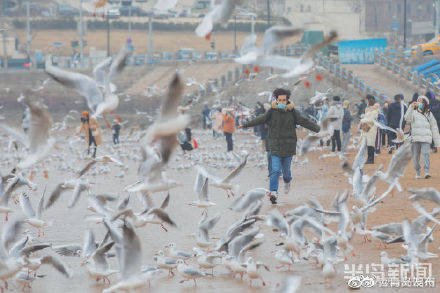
(281, 119)
(337, 113)
(396, 112)
(228, 128)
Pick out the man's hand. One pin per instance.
(240, 127)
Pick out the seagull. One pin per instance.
(218, 13)
(9, 265)
(129, 253)
(386, 261)
(397, 165)
(111, 101)
(201, 188)
(203, 229)
(272, 37)
(207, 261)
(33, 219)
(37, 138)
(225, 183)
(97, 265)
(248, 199)
(173, 252)
(293, 66)
(252, 270)
(189, 273)
(164, 262)
(430, 194)
(78, 185)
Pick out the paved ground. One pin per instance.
(320, 178)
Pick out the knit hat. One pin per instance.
(424, 98)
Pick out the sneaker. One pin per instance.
(273, 195)
(418, 176)
(287, 187)
(427, 176)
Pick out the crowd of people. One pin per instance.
(379, 122)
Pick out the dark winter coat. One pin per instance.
(346, 120)
(394, 114)
(282, 124)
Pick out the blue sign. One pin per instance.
(57, 44)
(395, 25)
(360, 51)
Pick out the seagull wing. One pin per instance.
(26, 205)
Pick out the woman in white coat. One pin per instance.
(369, 129)
(424, 131)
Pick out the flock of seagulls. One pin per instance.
(302, 234)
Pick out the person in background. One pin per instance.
(380, 137)
(434, 106)
(311, 112)
(116, 128)
(424, 130)
(281, 119)
(217, 123)
(205, 116)
(185, 139)
(346, 126)
(369, 130)
(395, 118)
(25, 120)
(228, 127)
(336, 112)
(361, 108)
(91, 130)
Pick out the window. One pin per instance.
(399, 8)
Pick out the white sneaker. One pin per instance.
(418, 176)
(427, 176)
(273, 195)
(287, 187)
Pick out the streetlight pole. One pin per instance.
(404, 24)
(28, 30)
(108, 35)
(268, 13)
(150, 35)
(5, 50)
(235, 33)
(81, 34)
(129, 21)
(437, 17)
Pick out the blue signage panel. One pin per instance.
(360, 51)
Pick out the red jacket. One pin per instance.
(228, 123)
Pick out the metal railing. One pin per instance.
(417, 79)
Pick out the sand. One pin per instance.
(320, 178)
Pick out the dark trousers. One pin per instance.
(336, 140)
(92, 141)
(229, 141)
(116, 138)
(370, 159)
(391, 136)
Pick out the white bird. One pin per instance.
(37, 139)
(218, 13)
(34, 218)
(203, 228)
(201, 189)
(189, 273)
(224, 183)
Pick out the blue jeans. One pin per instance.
(269, 163)
(279, 164)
